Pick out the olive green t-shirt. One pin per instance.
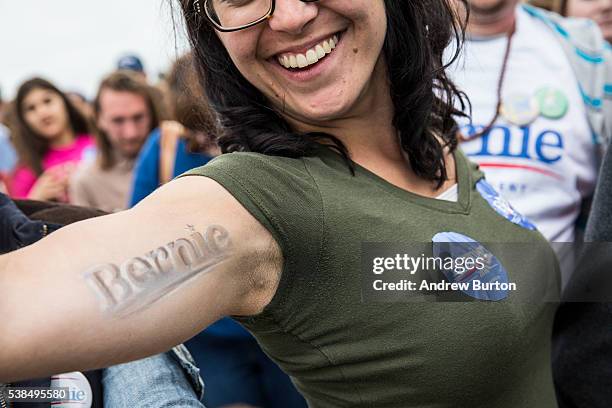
(344, 352)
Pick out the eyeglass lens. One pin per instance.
(237, 13)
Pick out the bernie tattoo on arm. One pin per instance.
(141, 281)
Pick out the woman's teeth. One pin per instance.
(311, 57)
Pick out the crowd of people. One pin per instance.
(59, 147)
(523, 91)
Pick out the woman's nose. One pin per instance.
(291, 16)
(42, 111)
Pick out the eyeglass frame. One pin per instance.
(218, 27)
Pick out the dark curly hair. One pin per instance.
(418, 33)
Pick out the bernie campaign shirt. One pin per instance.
(546, 167)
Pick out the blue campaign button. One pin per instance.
(478, 273)
(502, 206)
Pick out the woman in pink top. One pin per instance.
(51, 137)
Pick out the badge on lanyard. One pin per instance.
(553, 103)
(520, 109)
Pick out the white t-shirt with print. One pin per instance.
(544, 169)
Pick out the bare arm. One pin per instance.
(133, 284)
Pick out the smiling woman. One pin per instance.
(354, 145)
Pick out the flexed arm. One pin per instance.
(129, 285)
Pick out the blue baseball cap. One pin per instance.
(130, 63)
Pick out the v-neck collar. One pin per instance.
(463, 176)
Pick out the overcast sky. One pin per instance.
(76, 42)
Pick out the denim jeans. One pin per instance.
(161, 381)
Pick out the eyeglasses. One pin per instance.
(234, 15)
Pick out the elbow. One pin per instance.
(7, 355)
(8, 367)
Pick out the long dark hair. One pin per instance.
(418, 32)
(31, 146)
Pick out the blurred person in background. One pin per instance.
(233, 366)
(582, 347)
(52, 137)
(581, 379)
(3, 107)
(81, 103)
(181, 144)
(539, 113)
(540, 118)
(132, 63)
(599, 11)
(125, 113)
(8, 156)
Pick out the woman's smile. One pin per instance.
(298, 59)
(313, 61)
(304, 63)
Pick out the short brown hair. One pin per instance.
(125, 81)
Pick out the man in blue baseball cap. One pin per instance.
(131, 63)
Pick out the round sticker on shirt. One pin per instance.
(502, 206)
(553, 103)
(79, 390)
(520, 109)
(478, 273)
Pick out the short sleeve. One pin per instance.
(282, 195)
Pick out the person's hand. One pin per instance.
(52, 185)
